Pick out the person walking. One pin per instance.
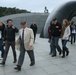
(9, 37)
(49, 35)
(34, 28)
(65, 36)
(55, 35)
(73, 32)
(2, 27)
(25, 40)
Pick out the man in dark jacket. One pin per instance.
(9, 37)
(2, 26)
(73, 32)
(55, 33)
(34, 28)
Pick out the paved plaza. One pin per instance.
(45, 64)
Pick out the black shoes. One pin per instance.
(18, 68)
(60, 52)
(15, 61)
(63, 56)
(67, 53)
(32, 64)
(3, 63)
(54, 55)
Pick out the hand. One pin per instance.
(13, 27)
(29, 46)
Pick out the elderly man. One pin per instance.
(25, 40)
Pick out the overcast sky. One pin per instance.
(32, 5)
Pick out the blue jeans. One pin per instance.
(55, 45)
(64, 42)
(72, 38)
(1, 48)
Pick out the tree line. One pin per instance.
(8, 11)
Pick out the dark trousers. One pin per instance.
(55, 45)
(22, 55)
(65, 49)
(72, 38)
(7, 46)
(34, 36)
(1, 48)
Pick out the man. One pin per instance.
(73, 32)
(34, 28)
(25, 40)
(55, 33)
(2, 27)
(9, 37)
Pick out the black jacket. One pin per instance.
(56, 30)
(9, 33)
(34, 28)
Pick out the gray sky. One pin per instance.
(32, 5)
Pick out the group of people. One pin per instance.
(27, 37)
(24, 42)
(56, 31)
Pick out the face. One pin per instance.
(23, 26)
(52, 22)
(55, 21)
(63, 22)
(33, 22)
(0, 24)
(10, 23)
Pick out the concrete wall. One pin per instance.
(39, 18)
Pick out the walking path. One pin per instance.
(45, 64)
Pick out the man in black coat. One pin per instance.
(34, 28)
(55, 33)
(9, 37)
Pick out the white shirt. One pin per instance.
(22, 32)
(66, 33)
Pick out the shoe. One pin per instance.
(63, 56)
(32, 64)
(67, 53)
(54, 55)
(18, 68)
(60, 52)
(15, 61)
(50, 53)
(3, 63)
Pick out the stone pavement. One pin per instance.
(45, 64)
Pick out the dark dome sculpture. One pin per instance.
(66, 10)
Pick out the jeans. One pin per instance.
(1, 48)
(55, 45)
(64, 42)
(72, 38)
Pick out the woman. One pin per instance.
(65, 36)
